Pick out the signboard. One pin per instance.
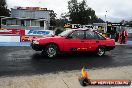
(7, 31)
(88, 26)
(39, 32)
(25, 38)
(31, 8)
(20, 32)
(109, 24)
(12, 32)
(82, 26)
(77, 26)
(67, 25)
(114, 24)
(2, 28)
(29, 38)
(101, 28)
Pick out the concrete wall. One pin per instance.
(9, 38)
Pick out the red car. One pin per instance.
(73, 40)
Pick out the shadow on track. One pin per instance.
(69, 62)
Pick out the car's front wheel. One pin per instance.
(50, 50)
(100, 51)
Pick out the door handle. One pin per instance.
(97, 41)
(82, 41)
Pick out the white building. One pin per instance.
(27, 18)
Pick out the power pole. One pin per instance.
(106, 16)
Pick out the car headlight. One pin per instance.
(35, 42)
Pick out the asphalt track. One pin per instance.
(22, 60)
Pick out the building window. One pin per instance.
(41, 23)
(4, 21)
(22, 23)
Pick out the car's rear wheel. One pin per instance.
(100, 51)
(50, 50)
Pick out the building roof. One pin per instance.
(11, 18)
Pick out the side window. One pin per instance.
(77, 35)
(100, 37)
(91, 35)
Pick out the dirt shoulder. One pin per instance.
(65, 79)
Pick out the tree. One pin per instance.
(128, 24)
(52, 18)
(80, 13)
(73, 11)
(3, 8)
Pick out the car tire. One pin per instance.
(51, 51)
(100, 51)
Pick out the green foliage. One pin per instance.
(58, 31)
(80, 13)
(129, 24)
(61, 22)
(52, 18)
(3, 9)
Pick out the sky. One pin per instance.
(115, 10)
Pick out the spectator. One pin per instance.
(123, 37)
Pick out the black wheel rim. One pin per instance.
(51, 51)
(101, 51)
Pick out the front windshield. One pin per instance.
(65, 33)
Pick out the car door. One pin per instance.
(91, 41)
(74, 41)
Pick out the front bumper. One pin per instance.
(37, 47)
(108, 48)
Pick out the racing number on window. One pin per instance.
(91, 35)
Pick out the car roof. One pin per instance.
(81, 29)
(84, 29)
